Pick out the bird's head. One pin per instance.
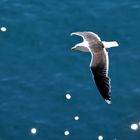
(77, 47)
(80, 47)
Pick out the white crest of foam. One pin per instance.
(33, 130)
(76, 118)
(66, 133)
(134, 126)
(68, 96)
(3, 29)
(100, 137)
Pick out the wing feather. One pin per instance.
(102, 82)
(88, 36)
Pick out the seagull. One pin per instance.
(99, 60)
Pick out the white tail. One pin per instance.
(110, 44)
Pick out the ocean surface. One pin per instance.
(38, 69)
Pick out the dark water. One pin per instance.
(37, 69)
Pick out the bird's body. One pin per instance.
(99, 60)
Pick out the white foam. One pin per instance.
(66, 133)
(76, 118)
(134, 126)
(3, 29)
(68, 96)
(33, 130)
(100, 137)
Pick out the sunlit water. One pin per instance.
(38, 70)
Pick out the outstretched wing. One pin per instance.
(88, 36)
(102, 82)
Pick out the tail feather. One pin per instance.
(110, 44)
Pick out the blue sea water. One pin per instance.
(37, 70)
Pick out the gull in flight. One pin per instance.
(99, 60)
